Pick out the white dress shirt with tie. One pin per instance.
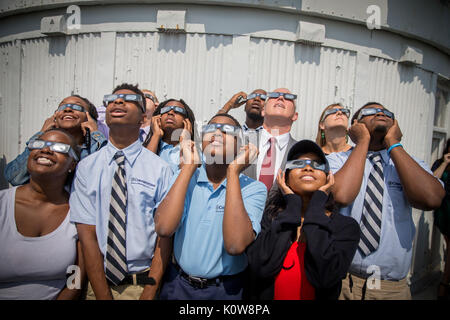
(280, 145)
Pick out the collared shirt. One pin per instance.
(170, 154)
(143, 132)
(16, 171)
(393, 256)
(264, 144)
(198, 243)
(245, 128)
(147, 179)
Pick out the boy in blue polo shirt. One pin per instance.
(214, 212)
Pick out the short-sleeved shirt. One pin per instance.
(198, 244)
(170, 154)
(147, 177)
(393, 256)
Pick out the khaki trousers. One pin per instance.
(123, 292)
(355, 288)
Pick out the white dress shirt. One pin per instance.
(280, 146)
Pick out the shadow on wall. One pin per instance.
(3, 182)
(305, 53)
(57, 45)
(172, 42)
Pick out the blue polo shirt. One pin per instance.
(170, 154)
(394, 252)
(147, 179)
(198, 243)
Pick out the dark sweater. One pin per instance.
(331, 244)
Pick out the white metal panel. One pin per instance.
(194, 67)
(405, 90)
(47, 77)
(9, 100)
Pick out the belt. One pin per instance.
(198, 282)
(136, 279)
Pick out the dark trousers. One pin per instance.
(176, 287)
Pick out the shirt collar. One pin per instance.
(383, 153)
(246, 128)
(203, 177)
(282, 140)
(164, 145)
(131, 152)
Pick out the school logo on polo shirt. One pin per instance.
(220, 208)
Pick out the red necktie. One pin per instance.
(268, 166)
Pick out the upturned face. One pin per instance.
(304, 181)
(254, 107)
(68, 118)
(377, 123)
(280, 107)
(219, 146)
(47, 162)
(121, 112)
(338, 119)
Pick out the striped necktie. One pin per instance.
(266, 175)
(373, 206)
(116, 261)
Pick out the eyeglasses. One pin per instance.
(254, 95)
(225, 128)
(372, 111)
(72, 106)
(287, 96)
(54, 146)
(336, 110)
(108, 98)
(177, 109)
(301, 163)
(148, 95)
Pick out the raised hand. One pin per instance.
(90, 123)
(247, 154)
(330, 182)
(358, 132)
(189, 156)
(49, 123)
(281, 180)
(156, 126)
(393, 135)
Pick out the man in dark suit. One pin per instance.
(274, 140)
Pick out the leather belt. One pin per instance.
(136, 279)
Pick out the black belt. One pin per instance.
(198, 282)
(136, 279)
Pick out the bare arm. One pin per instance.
(349, 178)
(237, 227)
(160, 260)
(422, 189)
(169, 212)
(157, 134)
(94, 261)
(233, 102)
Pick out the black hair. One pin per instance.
(135, 89)
(228, 116)
(92, 110)
(355, 116)
(76, 149)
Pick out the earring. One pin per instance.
(70, 171)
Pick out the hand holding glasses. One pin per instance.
(54, 146)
